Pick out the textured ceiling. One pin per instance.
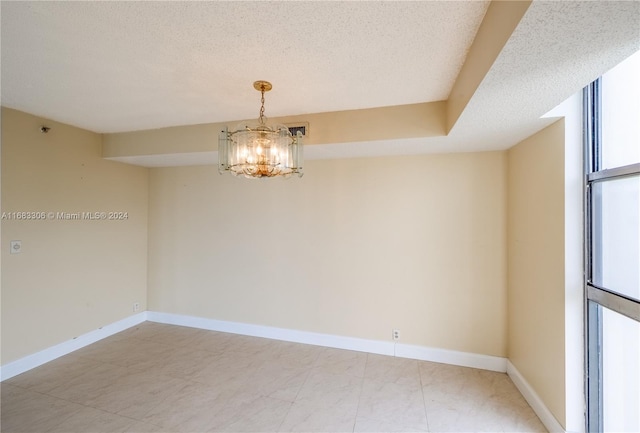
(123, 66)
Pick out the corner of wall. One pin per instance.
(527, 261)
(82, 221)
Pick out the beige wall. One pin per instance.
(355, 248)
(416, 243)
(72, 276)
(536, 266)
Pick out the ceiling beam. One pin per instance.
(499, 22)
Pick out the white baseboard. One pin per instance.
(443, 356)
(545, 415)
(32, 361)
(390, 348)
(326, 340)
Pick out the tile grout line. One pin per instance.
(299, 389)
(75, 403)
(424, 401)
(132, 370)
(364, 375)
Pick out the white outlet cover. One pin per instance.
(16, 247)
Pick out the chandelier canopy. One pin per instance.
(259, 150)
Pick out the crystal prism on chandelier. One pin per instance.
(259, 150)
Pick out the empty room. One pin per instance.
(322, 216)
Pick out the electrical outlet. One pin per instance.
(136, 307)
(395, 334)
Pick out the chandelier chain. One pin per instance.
(262, 105)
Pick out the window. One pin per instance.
(612, 249)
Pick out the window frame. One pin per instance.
(596, 297)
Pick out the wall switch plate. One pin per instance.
(16, 247)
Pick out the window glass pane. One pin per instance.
(616, 235)
(621, 114)
(620, 372)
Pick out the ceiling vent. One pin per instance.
(303, 127)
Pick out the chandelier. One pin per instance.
(258, 150)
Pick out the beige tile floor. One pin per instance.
(163, 378)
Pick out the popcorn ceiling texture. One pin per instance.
(122, 66)
(556, 50)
